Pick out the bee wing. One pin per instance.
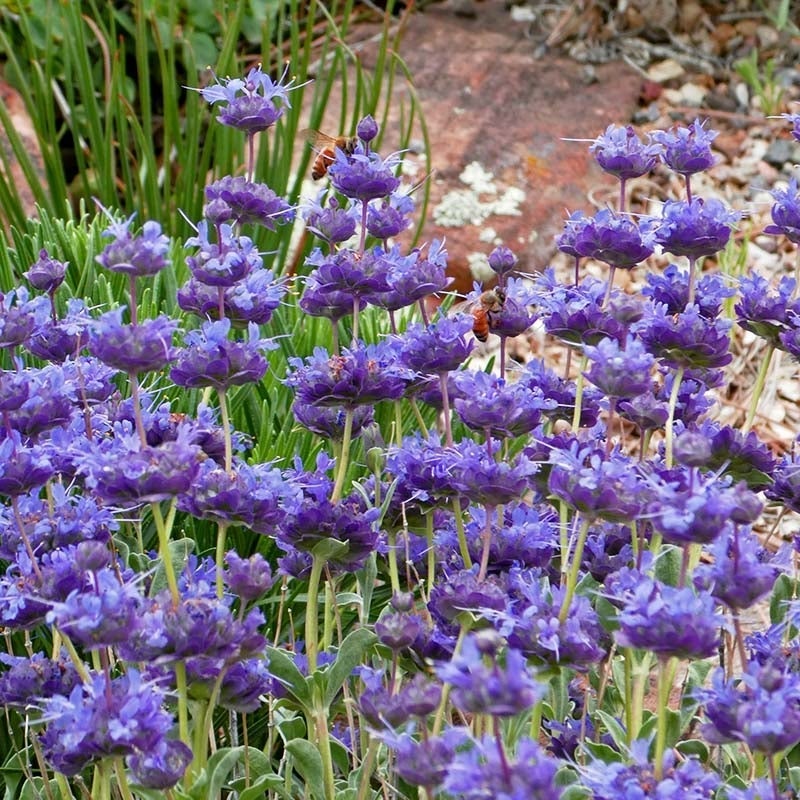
(318, 139)
(461, 307)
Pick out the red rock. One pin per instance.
(487, 99)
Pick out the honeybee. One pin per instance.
(488, 303)
(326, 147)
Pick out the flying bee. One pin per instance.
(488, 303)
(326, 147)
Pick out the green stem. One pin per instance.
(758, 388)
(366, 769)
(576, 414)
(418, 416)
(324, 747)
(122, 779)
(183, 703)
(563, 538)
(462, 534)
(394, 577)
(673, 402)
(575, 566)
(226, 428)
(439, 719)
(164, 552)
(666, 671)
(344, 460)
(431, 552)
(312, 613)
(222, 529)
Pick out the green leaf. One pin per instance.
(282, 667)
(351, 653)
(259, 787)
(614, 727)
(668, 565)
(694, 747)
(179, 550)
(220, 766)
(329, 549)
(308, 762)
(782, 594)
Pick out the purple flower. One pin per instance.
(252, 299)
(100, 615)
(367, 129)
(491, 405)
(244, 685)
(212, 359)
(254, 496)
(30, 680)
(162, 767)
(672, 289)
(761, 708)
(765, 311)
(315, 520)
(645, 410)
(399, 630)
(537, 376)
(616, 240)
(346, 271)
(575, 314)
(332, 223)
(363, 176)
(253, 103)
(481, 772)
(620, 152)
(145, 347)
(412, 277)
(786, 212)
(321, 301)
(22, 467)
(391, 217)
(462, 591)
(620, 372)
(64, 338)
(698, 511)
(46, 274)
(741, 572)
(669, 621)
(124, 472)
(225, 262)
(616, 780)
(329, 421)
(424, 763)
(19, 316)
(741, 458)
(502, 261)
(596, 486)
(123, 717)
(534, 627)
(785, 486)
(694, 229)
(141, 255)
(363, 375)
(501, 690)
(248, 578)
(239, 201)
(566, 240)
(439, 347)
(795, 120)
(687, 150)
(687, 340)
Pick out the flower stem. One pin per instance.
(183, 703)
(758, 388)
(462, 534)
(575, 566)
(666, 671)
(344, 460)
(226, 429)
(487, 543)
(692, 278)
(673, 402)
(312, 613)
(122, 780)
(222, 529)
(164, 552)
(137, 408)
(576, 415)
